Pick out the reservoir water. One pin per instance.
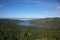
(25, 23)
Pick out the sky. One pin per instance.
(29, 8)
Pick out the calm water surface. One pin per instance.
(25, 23)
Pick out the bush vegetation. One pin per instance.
(12, 31)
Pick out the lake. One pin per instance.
(25, 23)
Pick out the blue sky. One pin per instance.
(29, 8)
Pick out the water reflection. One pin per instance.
(25, 23)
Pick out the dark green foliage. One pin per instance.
(50, 22)
(9, 31)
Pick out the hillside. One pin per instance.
(10, 31)
(50, 22)
(10, 21)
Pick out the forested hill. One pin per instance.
(50, 22)
(9, 21)
(10, 31)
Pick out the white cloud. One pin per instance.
(1, 6)
(58, 7)
(32, 1)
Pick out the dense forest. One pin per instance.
(10, 30)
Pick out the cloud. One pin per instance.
(58, 7)
(1, 6)
(35, 3)
(32, 1)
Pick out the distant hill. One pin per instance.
(9, 22)
(50, 22)
(9, 30)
